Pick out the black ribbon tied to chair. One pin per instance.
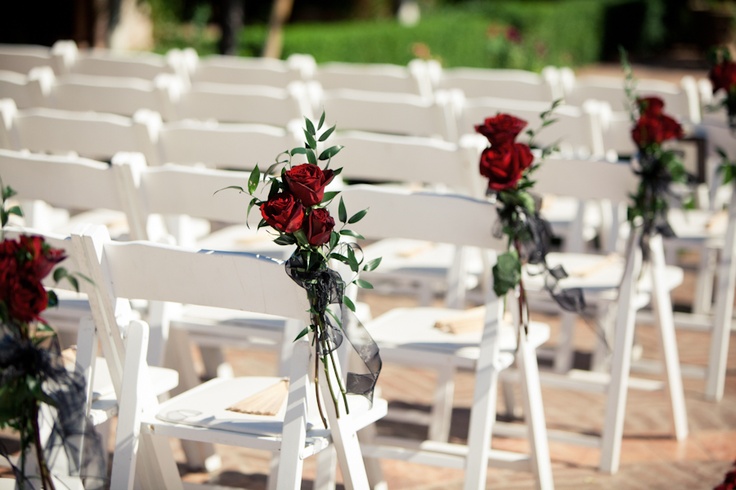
(72, 434)
(325, 287)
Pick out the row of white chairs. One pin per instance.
(419, 77)
(372, 229)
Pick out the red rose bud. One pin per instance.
(652, 106)
(318, 226)
(39, 258)
(307, 182)
(501, 129)
(283, 212)
(504, 165)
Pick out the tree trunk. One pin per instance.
(231, 21)
(280, 12)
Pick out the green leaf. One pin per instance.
(372, 265)
(284, 240)
(52, 300)
(254, 179)
(353, 260)
(349, 303)
(16, 210)
(311, 157)
(236, 187)
(357, 216)
(506, 273)
(352, 233)
(342, 213)
(362, 283)
(329, 196)
(527, 201)
(301, 334)
(330, 152)
(311, 142)
(321, 120)
(310, 127)
(298, 151)
(339, 257)
(327, 133)
(334, 239)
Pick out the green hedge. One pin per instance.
(498, 34)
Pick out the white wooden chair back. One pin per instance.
(23, 90)
(237, 146)
(72, 184)
(576, 130)
(244, 104)
(240, 70)
(681, 100)
(409, 159)
(388, 113)
(89, 134)
(505, 84)
(107, 63)
(411, 79)
(22, 58)
(114, 95)
(235, 281)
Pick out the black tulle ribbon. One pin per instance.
(325, 287)
(535, 246)
(72, 436)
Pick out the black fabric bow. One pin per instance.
(324, 287)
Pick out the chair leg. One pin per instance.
(376, 480)
(662, 305)
(441, 412)
(534, 411)
(326, 466)
(719, 340)
(564, 351)
(702, 302)
(613, 423)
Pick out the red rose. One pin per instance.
(38, 257)
(652, 129)
(723, 76)
(8, 263)
(652, 106)
(307, 182)
(501, 129)
(283, 212)
(318, 226)
(504, 165)
(25, 298)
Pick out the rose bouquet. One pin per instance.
(508, 165)
(722, 76)
(32, 371)
(659, 166)
(296, 212)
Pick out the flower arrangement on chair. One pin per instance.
(32, 370)
(508, 165)
(658, 165)
(296, 211)
(722, 76)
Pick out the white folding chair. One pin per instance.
(417, 266)
(109, 94)
(501, 83)
(414, 78)
(88, 134)
(387, 112)
(612, 286)
(260, 104)
(236, 146)
(409, 336)
(242, 70)
(22, 58)
(228, 280)
(681, 99)
(576, 130)
(125, 64)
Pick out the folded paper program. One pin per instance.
(467, 321)
(266, 402)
